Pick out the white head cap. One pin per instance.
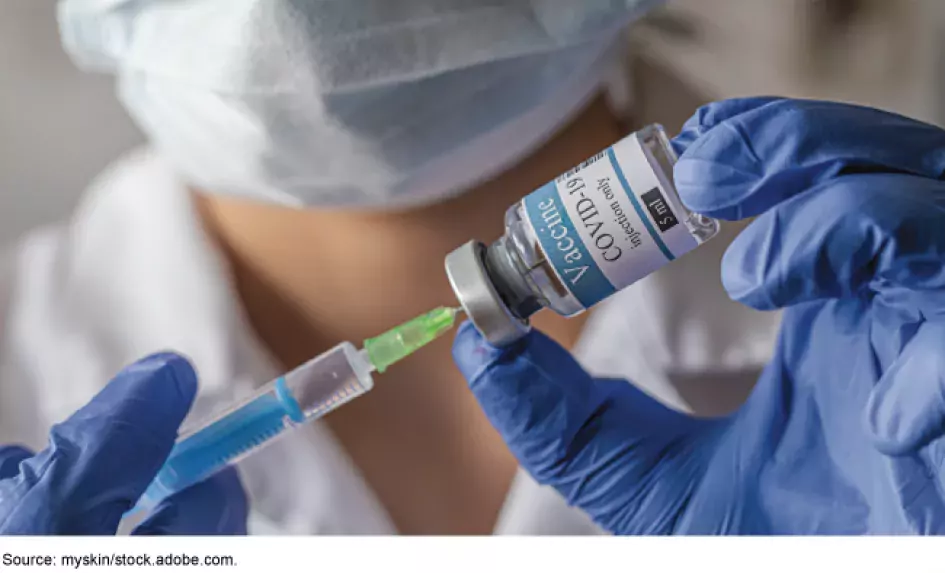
(374, 103)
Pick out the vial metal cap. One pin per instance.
(479, 298)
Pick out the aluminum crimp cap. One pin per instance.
(474, 289)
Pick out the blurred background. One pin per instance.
(59, 127)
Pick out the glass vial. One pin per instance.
(575, 241)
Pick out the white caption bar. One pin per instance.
(475, 555)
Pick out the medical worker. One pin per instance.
(311, 162)
(842, 435)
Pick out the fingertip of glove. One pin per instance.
(714, 188)
(512, 370)
(880, 428)
(718, 173)
(892, 430)
(167, 367)
(160, 387)
(473, 353)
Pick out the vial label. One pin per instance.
(608, 222)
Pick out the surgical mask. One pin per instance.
(346, 103)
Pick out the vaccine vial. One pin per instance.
(572, 243)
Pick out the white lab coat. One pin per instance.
(132, 274)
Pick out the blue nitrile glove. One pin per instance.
(100, 461)
(843, 432)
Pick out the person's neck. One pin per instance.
(311, 278)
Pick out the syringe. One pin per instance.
(305, 394)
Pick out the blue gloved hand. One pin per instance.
(100, 461)
(843, 432)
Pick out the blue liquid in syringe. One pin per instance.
(207, 451)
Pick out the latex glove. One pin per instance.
(100, 460)
(841, 434)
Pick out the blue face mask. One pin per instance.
(348, 102)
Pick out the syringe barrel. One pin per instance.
(330, 380)
(307, 393)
